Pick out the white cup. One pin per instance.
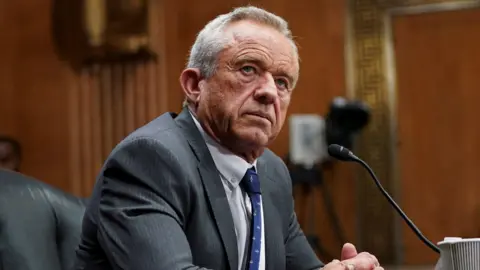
(459, 254)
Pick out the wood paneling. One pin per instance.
(437, 67)
(69, 120)
(35, 85)
(7, 118)
(110, 101)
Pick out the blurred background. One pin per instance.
(76, 76)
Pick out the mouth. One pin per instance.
(261, 115)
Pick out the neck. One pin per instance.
(250, 156)
(246, 151)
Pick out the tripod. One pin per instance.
(310, 179)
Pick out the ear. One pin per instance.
(190, 80)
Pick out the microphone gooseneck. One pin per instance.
(342, 153)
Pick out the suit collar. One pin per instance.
(230, 166)
(185, 121)
(213, 186)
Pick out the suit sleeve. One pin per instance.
(299, 253)
(143, 207)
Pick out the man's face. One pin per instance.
(8, 159)
(245, 102)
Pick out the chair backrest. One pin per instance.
(40, 225)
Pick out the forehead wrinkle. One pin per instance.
(260, 51)
(250, 50)
(260, 56)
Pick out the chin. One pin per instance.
(254, 137)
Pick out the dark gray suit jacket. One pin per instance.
(159, 204)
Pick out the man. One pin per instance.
(199, 190)
(10, 154)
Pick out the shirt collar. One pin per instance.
(230, 166)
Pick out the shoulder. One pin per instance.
(276, 169)
(160, 137)
(154, 161)
(272, 159)
(157, 152)
(161, 131)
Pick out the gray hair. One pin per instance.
(210, 42)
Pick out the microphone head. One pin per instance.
(340, 152)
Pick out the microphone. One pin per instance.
(344, 154)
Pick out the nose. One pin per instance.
(266, 93)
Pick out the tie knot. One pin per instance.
(250, 181)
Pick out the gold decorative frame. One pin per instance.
(371, 77)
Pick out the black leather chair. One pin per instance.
(40, 225)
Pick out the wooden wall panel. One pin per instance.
(7, 118)
(68, 121)
(82, 114)
(111, 101)
(35, 86)
(437, 67)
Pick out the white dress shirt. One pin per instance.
(232, 168)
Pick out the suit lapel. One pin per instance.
(213, 186)
(221, 212)
(270, 220)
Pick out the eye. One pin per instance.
(248, 70)
(282, 83)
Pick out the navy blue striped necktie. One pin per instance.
(251, 185)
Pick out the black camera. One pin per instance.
(345, 119)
